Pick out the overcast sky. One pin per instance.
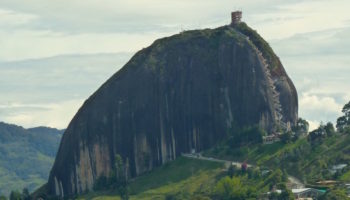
(55, 54)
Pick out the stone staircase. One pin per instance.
(276, 100)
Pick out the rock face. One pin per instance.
(183, 92)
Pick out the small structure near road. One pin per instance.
(270, 139)
(305, 193)
(336, 168)
(193, 151)
(347, 186)
(327, 182)
(265, 172)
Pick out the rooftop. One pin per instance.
(236, 17)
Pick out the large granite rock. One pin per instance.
(183, 92)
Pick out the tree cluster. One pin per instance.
(335, 194)
(233, 189)
(343, 122)
(253, 173)
(301, 128)
(322, 131)
(16, 195)
(246, 136)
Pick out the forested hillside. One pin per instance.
(26, 156)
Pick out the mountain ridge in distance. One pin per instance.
(26, 156)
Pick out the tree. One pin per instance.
(200, 197)
(346, 110)
(286, 195)
(275, 178)
(121, 179)
(347, 130)
(344, 121)
(230, 188)
(247, 135)
(224, 188)
(170, 197)
(102, 183)
(2, 197)
(232, 171)
(301, 128)
(286, 137)
(341, 123)
(273, 196)
(329, 129)
(334, 194)
(25, 194)
(124, 192)
(117, 179)
(118, 166)
(317, 133)
(15, 195)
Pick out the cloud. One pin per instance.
(347, 98)
(57, 78)
(324, 104)
(55, 115)
(326, 43)
(318, 64)
(316, 109)
(13, 19)
(310, 37)
(48, 92)
(313, 125)
(38, 44)
(115, 26)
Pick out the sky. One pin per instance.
(55, 54)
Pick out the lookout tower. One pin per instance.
(236, 17)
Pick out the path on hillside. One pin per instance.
(226, 162)
(294, 181)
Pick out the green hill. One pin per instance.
(307, 160)
(26, 156)
(186, 178)
(310, 158)
(191, 178)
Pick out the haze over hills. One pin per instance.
(53, 87)
(26, 156)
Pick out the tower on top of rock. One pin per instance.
(236, 17)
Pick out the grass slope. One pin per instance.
(187, 178)
(309, 161)
(183, 178)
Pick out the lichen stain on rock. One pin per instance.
(102, 160)
(143, 154)
(84, 170)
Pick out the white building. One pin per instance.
(306, 193)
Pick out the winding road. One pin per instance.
(296, 183)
